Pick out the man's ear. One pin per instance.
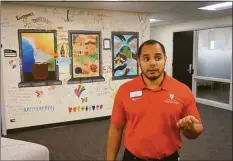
(166, 61)
(139, 63)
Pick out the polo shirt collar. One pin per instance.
(140, 82)
(164, 85)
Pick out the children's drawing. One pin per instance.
(85, 51)
(38, 53)
(125, 46)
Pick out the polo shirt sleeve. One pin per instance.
(191, 107)
(118, 116)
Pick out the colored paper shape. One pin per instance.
(78, 91)
(84, 99)
(101, 106)
(39, 93)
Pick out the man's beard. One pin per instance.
(153, 78)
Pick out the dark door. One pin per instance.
(183, 57)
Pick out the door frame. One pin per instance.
(192, 53)
(194, 75)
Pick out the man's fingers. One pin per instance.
(179, 123)
(189, 121)
(194, 120)
(186, 123)
(183, 121)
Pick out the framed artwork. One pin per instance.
(124, 55)
(85, 53)
(107, 44)
(37, 50)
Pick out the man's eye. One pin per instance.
(157, 58)
(146, 59)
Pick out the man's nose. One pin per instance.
(153, 62)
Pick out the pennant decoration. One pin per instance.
(85, 108)
(101, 106)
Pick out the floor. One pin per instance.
(87, 141)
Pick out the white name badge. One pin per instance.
(135, 94)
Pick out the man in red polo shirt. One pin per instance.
(153, 108)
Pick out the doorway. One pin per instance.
(183, 57)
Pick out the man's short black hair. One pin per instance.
(150, 42)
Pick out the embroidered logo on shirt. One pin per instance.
(171, 99)
(171, 96)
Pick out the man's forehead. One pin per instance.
(152, 48)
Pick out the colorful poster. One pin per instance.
(125, 46)
(85, 55)
(37, 51)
